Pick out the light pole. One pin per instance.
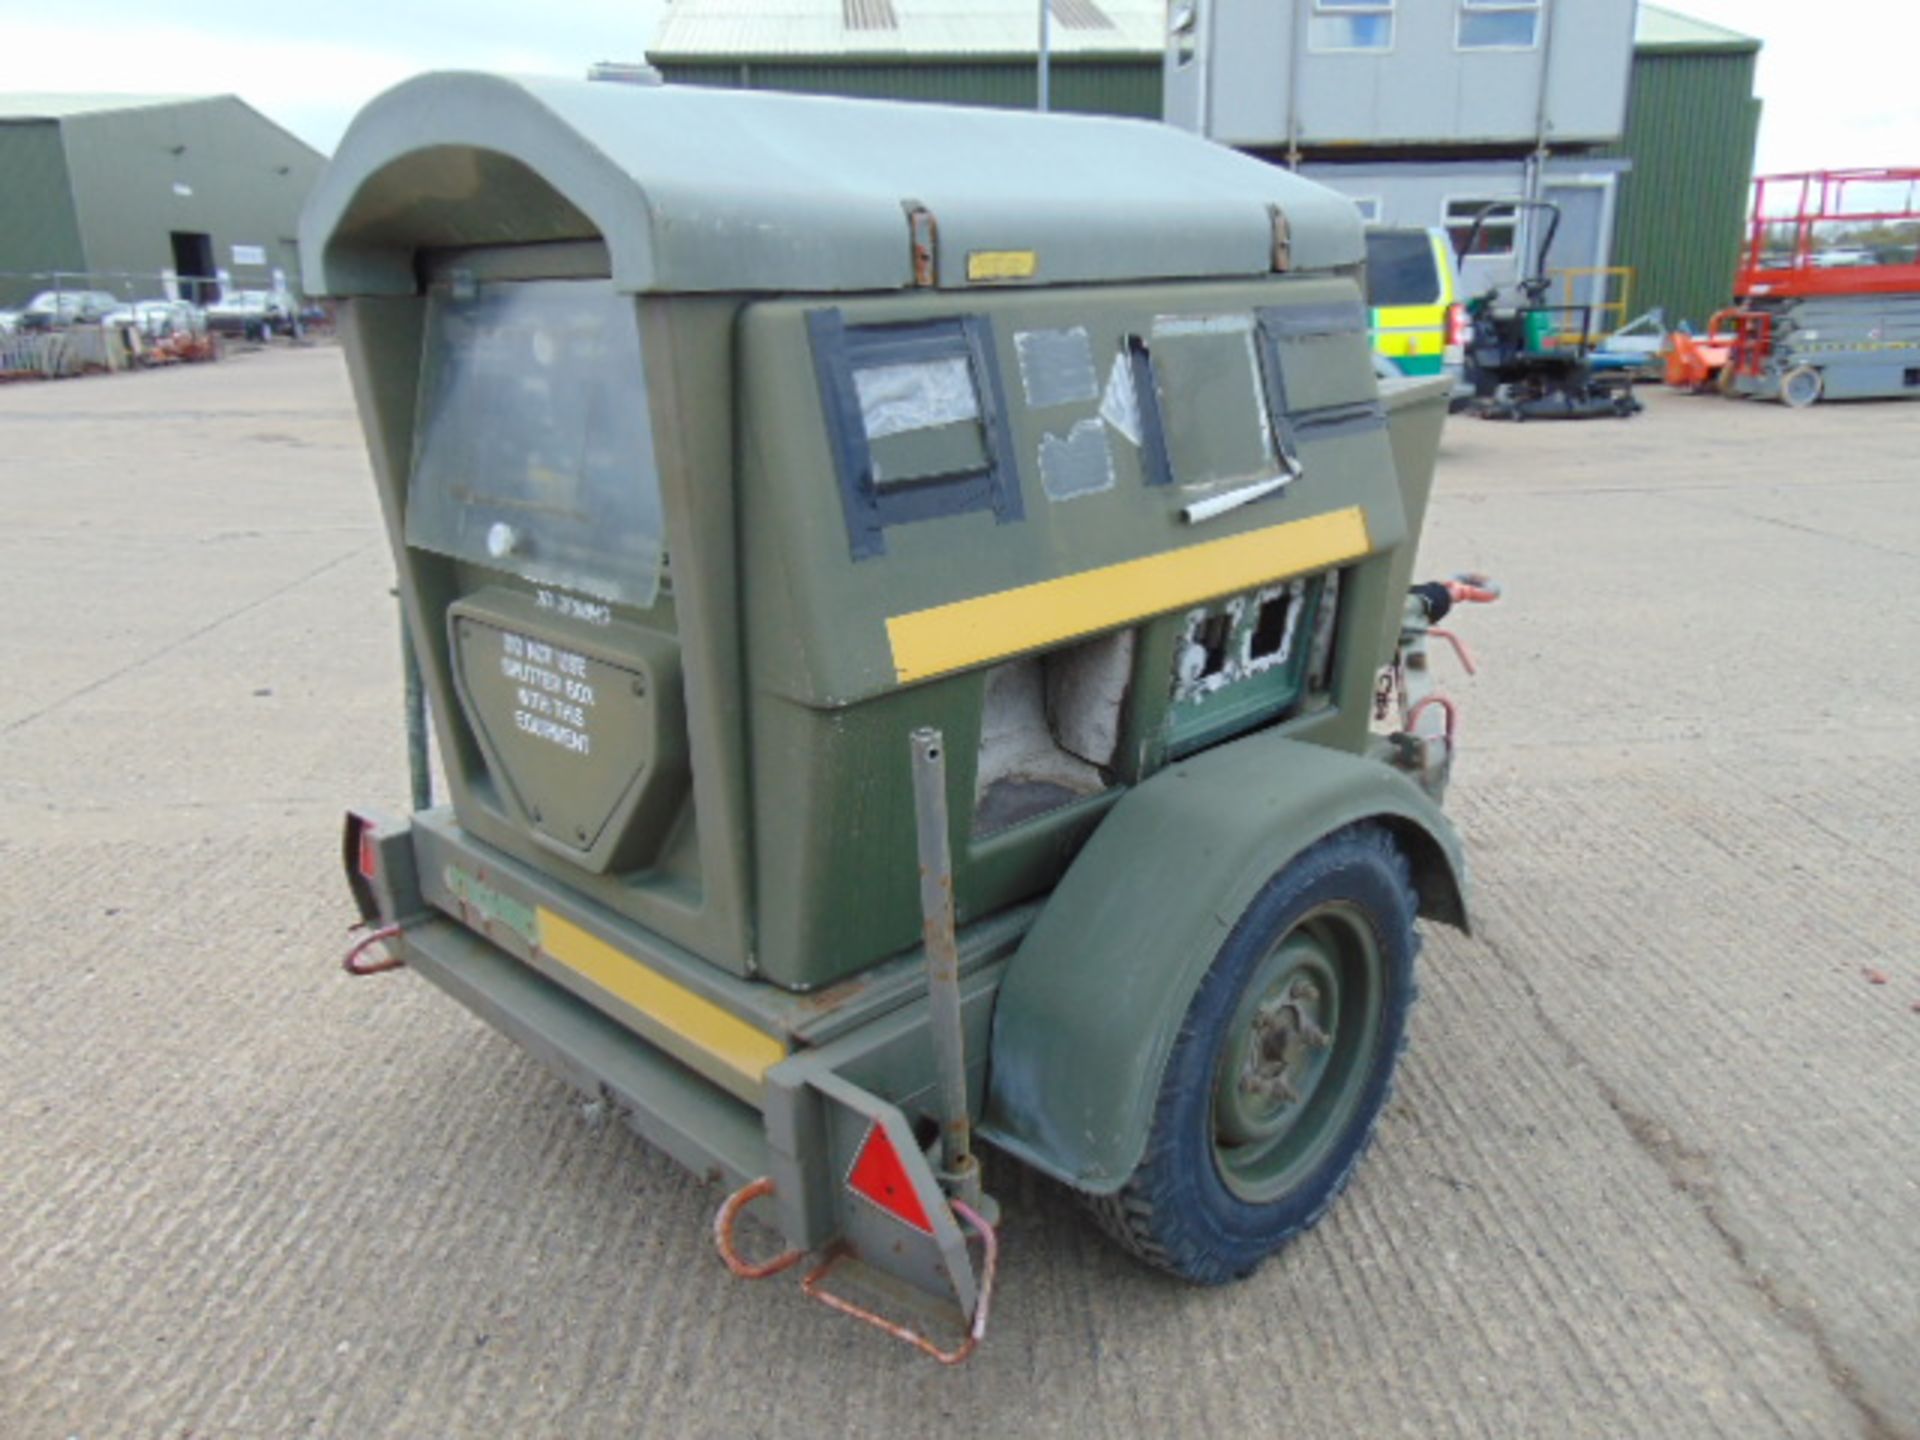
(1046, 57)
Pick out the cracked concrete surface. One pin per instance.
(1651, 1168)
(1692, 1173)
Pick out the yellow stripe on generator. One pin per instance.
(1002, 264)
(991, 627)
(681, 1015)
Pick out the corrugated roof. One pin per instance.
(1657, 27)
(61, 107)
(736, 29)
(868, 14)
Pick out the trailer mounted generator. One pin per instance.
(914, 610)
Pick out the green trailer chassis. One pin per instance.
(828, 1106)
(479, 925)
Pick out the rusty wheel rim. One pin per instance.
(1297, 1053)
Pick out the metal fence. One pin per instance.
(64, 335)
(76, 350)
(129, 285)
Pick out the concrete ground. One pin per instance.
(1653, 1168)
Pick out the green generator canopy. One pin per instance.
(725, 438)
(695, 190)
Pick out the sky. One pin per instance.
(1835, 75)
(1836, 79)
(309, 65)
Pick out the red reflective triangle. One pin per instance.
(878, 1174)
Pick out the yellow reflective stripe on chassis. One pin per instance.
(1030, 617)
(742, 1048)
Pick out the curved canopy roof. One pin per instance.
(728, 190)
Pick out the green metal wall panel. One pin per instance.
(1101, 87)
(213, 166)
(1691, 124)
(38, 231)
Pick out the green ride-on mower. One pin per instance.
(1531, 360)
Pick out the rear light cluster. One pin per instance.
(1456, 325)
(360, 857)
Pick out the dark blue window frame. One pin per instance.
(839, 349)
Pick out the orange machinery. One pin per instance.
(1828, 290)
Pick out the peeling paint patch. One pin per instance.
(1081, 463)
(1056, 367)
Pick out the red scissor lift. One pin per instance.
(1828, 289)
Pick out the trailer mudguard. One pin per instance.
(1095, 996)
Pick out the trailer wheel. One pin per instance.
(1281, 1067)
(1801, 386)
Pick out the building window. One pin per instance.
(1498, 24)
(1402, 269)
(1496, 231)
(1351, 25)
(1369, 208)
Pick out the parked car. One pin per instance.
(1417, 323)
(256, 314)
(157, 319)
(53, 309)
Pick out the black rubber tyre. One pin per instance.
(1227, 1177)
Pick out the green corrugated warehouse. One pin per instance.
(1691, 113)
(1691, 124)
(109, 191)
